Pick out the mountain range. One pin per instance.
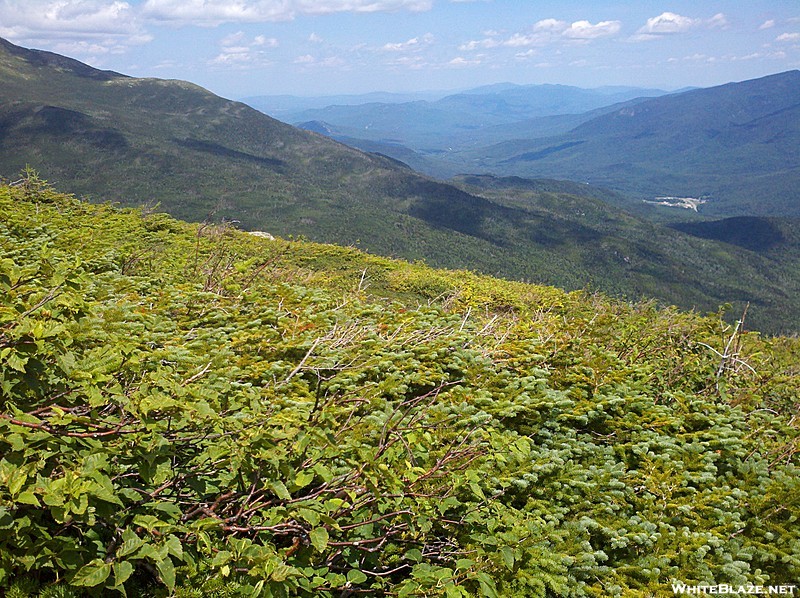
(733, 145)
(461, 120)
(174, 145)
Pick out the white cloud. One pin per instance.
(788, 37)
(215, 12)
(479, 43)
(585, 30)
(415, 43)
(718, 21)
(308, 60)
(553, 25)
(238, 51)
(670, 23)
(767, 24)
(315, 39)
(266, 42)
(519, 40)
(233, 38)
(71, 16)
(82, 26)
(461, 61)
(413, 62)
(548, 31)
(667, 23)
(399, 46)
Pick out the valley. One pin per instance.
(199, 157)
(736, 141)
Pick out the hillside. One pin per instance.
(736, 144)
(190, 410)
(200, 157)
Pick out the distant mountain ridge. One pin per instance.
(458, 119)
(736, 143)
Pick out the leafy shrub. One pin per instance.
(211, 423)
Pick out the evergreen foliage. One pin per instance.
(189, 410)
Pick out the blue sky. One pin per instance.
(239, 48)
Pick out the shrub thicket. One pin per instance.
(192, 411)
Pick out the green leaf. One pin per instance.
(464, 563)
(508, 556)
(477, 490)
(92, 574)
(356, 577)
(452, 591)
(16, 480)
(122, 571)
(280, 489)
(408, 589)
(488, 588)
(130, 543)
(222, 557)
(166, 571)
(15, 362)
(28, 498)
(174, 547)
(319, 538)
(311, 516)
(303, 479)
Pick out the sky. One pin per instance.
(242, 48)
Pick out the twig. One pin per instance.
(199, 374)
(302, 361)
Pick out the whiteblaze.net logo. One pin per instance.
(734, 590)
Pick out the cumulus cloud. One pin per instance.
(460, 61)
(553, 25)
(308, 60)
(667, 23)
(670, 23)
(415, 62)
(215, 12)
(82, 26)
(718, 21)
(769, 24)
(788, 37)
(415, 43)
(585, 30)
(239, 51)
(547, 31)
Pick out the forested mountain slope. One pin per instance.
(735, 143)
(194, 411)
(203, 158)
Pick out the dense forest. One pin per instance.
(192, 410)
